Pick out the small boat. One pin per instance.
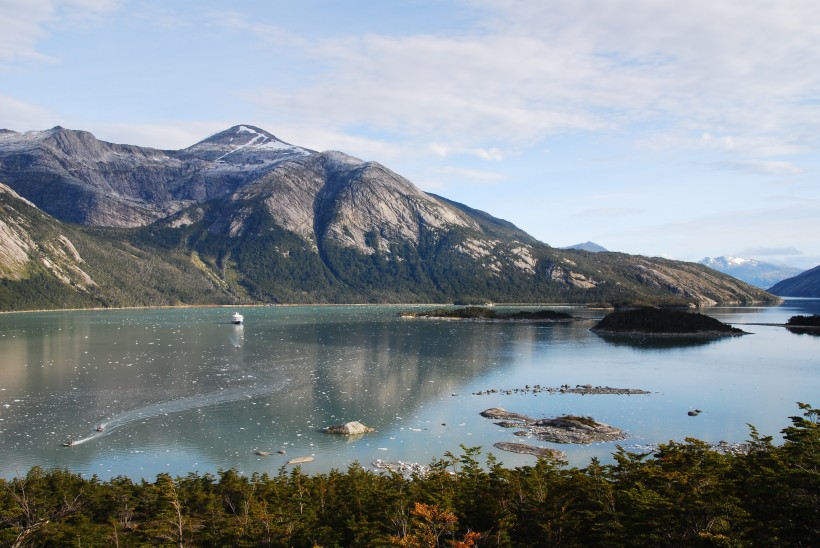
(237, 318)
(100, 427)
(69, 443)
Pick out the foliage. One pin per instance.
(803, 321)
(682, 494)
(476, 312)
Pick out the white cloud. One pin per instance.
(25, 23)
(770, 251)
(271, 35)
(22, 116)
(762, 167)
(470, 175)
(608, 212)
(737, 74)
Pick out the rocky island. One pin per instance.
(481, 313)
(663, 322)
(563, 429)
(804, 321)
(804, 325)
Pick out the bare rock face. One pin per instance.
(30, 241)
(353, 428)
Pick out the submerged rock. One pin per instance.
(300, 460)
(526, 449)
(504, 415)
(571, 429)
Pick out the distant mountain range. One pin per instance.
(244, 217)
(592, 247)
(805, 284)
(757, 273)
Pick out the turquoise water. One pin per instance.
(183, 390)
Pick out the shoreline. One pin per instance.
(261, 305)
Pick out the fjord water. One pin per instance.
(184, 390)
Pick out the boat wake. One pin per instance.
(178, 405)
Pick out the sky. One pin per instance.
(652, 127)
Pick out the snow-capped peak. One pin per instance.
(728, 261)
(234, 144)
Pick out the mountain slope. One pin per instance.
(46, 264)
(757, 273)
(243, 216)
(806, 284)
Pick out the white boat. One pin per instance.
(237, 318)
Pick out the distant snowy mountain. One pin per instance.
(587, 246)
(751, 271)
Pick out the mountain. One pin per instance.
(592, 247)
(80, 179)
(243, 217)
(806, 284)
(754, 272)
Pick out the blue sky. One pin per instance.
(653, 127)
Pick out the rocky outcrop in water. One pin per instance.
(527, 449)
(582, 389)
(564, 429)
(352, 428)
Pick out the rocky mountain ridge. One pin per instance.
(260, 220)
(77, 178)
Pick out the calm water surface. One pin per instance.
(183, 390)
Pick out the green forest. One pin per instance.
(681, 494)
